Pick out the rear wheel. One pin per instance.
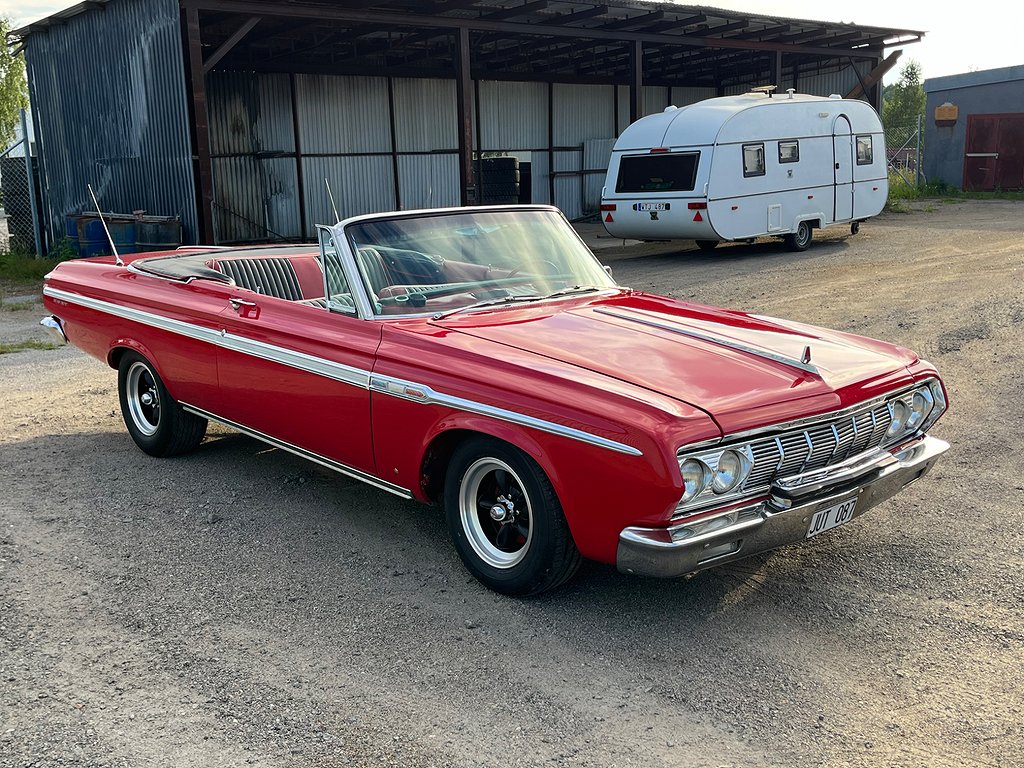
(707, 245)
(799, 240)
(855, 228)
(155, 420)
(505, 519)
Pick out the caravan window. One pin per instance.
(661, 172)
(789, 151)
(753, 159)
(865, 155)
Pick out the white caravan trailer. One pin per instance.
(740, 167)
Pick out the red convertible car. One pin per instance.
(483, 358)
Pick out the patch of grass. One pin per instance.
(21, 272)
(22, 346)
(899, 191)
(19, 306)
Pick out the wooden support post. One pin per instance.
(463, 89)
(200, 128)
(636, 82)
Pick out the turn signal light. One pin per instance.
(607, 206)
(697, 206)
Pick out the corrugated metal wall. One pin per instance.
(345, 136)
(839, 80)
(113, 115)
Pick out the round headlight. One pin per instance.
(900, 412)
(696, 476)
(732, 470)
(920, 406)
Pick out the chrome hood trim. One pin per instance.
(660, 322)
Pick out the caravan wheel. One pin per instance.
(855, 228)
(799, 240)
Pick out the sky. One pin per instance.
(984, 34)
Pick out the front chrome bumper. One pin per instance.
(782, 519)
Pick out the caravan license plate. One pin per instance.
(832, 517)
(652, 207)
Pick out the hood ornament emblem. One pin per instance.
(805, 358)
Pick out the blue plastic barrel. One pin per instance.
(71, 232)
(92, 239)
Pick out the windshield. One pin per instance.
(446, 262)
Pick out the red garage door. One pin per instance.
(995, 152)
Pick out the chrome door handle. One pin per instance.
(237, 304)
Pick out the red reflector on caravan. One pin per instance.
(697, 206)
(607, 206)
(609, 218)
(659, 149)
(697, 216)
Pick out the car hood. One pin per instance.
(744, 370)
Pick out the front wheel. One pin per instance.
(855, 228)
(155, 420)
(799, 240)
(505, 519)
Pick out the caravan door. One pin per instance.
(842, 141)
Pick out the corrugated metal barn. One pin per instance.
(232, 114)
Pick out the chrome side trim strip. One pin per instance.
(316, 458)
(419, 393)
(356, 377)
(331, 370)
(721, 341)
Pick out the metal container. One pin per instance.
(157, 233)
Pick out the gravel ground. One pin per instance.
(242, 607)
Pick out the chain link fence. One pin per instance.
(904, 147)
(19, 193)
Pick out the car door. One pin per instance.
(299, 373)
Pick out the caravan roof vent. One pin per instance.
(834, 96)
(671, 108)
(791, 91)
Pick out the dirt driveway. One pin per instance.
(242, 607)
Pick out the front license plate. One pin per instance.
(832, 517)
(652, 207)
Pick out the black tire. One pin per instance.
(529, 552)
(799, 240)
(707, 245)
(156, 422)
(855, 228)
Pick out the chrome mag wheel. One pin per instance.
(143, 398)
(495, 512)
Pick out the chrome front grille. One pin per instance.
(818, 445)
(815, 444)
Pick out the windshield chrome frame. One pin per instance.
(360, 295)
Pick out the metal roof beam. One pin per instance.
(518, 10)
(246, 26)
(569, 18)
(264, 8)
(634, 21)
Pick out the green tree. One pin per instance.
(905, 100)
(13, 87)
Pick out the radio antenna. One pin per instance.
(117, 256)
(330, 194)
